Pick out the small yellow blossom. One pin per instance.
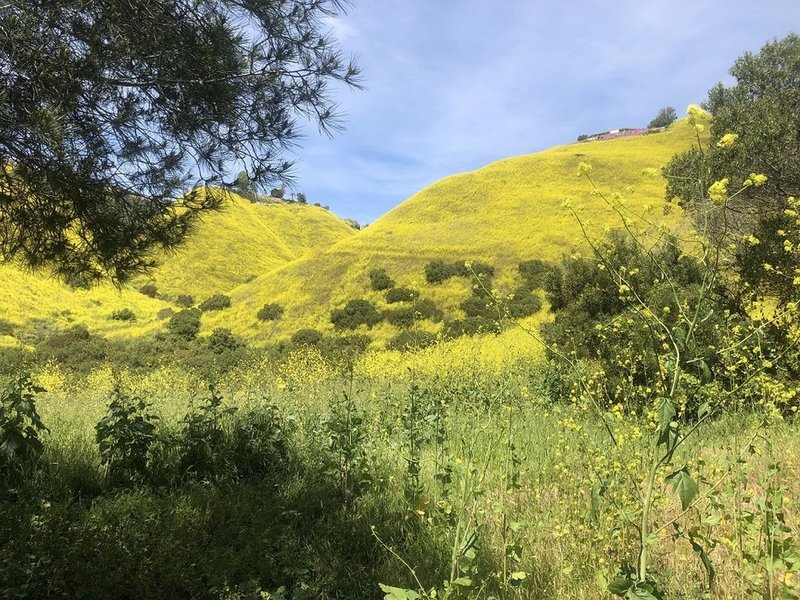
(695, 113)
(584, 168)
(752, 240)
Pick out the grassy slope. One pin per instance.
(503, 213)
(229, 248)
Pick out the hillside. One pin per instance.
(229, 248)
(501, 214)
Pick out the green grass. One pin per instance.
(297, 527)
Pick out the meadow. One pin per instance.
(309, 481)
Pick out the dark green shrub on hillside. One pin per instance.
(149, 289)
(185, 300)
(75, 349)
(401, 294)
(411, 340)
(479, 306)
(124, 314)
(270, 312)
(403, 317)
(523, 304)
(164, 313)
(307, 337)
(20, 427)
(471, 326)
(355, 313)
(6, 327)
(222, 340)
(438, 271)
(534, 272)
(185, 324)
(475, 269)
(379, 280)
(215, 302)
(341, 350)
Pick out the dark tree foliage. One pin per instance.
(110, 111)
(763, 109)
(379, 280)
(665, 117)
(356, 312)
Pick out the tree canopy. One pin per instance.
(111, 111)
(754, 149)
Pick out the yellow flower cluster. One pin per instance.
(584, 168)
(727, 140)
(756, 179)
(718, 192)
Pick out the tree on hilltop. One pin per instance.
(665, 117)
(110, 111)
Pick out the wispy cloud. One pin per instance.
(451, 88)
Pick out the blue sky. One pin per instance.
(451, 86)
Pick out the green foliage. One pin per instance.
(346, 459)
(184, 300)
(301, 198)
(6, 327)
(401, 294)
(104, 137)
(124, 314)
(149, 290)
(215, 302)
(379, 280)
(20, 426)
(353, 223)
(165, 313)
(307, 337)
(185, 324)
(124, 437)
(523, 304)
(411, 340)
(535, 272)
(223, 341)
(438, 271)
(356, 312)
(754, 131)
(203, 437)
(75, 348)
(665, 117)
(270, 312)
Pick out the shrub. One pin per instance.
(124, 437)
(523, 304)
(479, 306)
(75, 348)
(185, 300)
(307, 337)
(301, 198)
(185, 324)
(471, 326)
(215, 302)
(124, 314)
(438, 271)
(20, 426)
(353, 223)
(379, 280)
(164, 313)
(149, 289)
(535, 272)
(403, 317)
(411, 340)
(355, 313)
(222, 340)
(476, 268)
(270, 312)
(6, 327)
(401, 294)
(341, 350)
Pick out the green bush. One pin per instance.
(149, 289)
(535, 272)
(124, 437)
(215, 302)
(471, 326)
(523, 304)
(185, 300)
(355, 313)
(164, 313)
(479, 306)
(401, 294)
(6, 327)
(307, 337)
(124, 314)
(75, 349)
(411, 340)
(222, 340)
(20, 427)
(270, 312)
(438, 271)
(185, 324)
(379, 280)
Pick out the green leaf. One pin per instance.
(620, 585)
(463, 582)
(684, 486)
(666, 413)
(395, 593)
(598, 489)
(704, 558)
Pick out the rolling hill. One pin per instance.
(229, 248)
(311, 262)
(501, 214)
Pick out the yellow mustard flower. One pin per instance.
(727, 140)
(718, 192)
